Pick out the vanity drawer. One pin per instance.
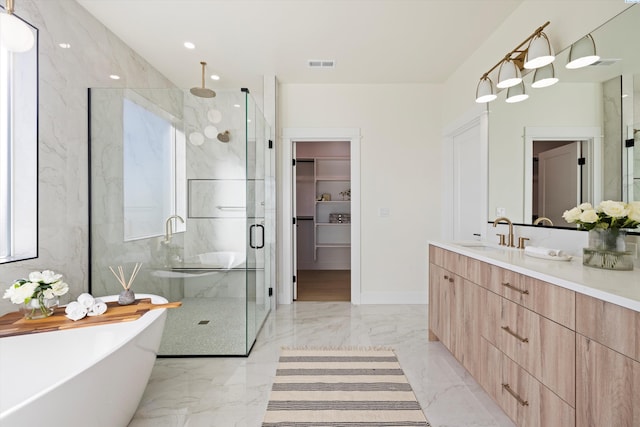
(542, 347)
(551, 301)
(452, 261)
(496, 279)
(609, 324)
(528, 402)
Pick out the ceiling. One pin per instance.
(371, 41)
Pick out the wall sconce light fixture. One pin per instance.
(516, 94)
(537, 54)
(582, 53)
(485, 92)
(544, 76)
(15, 35)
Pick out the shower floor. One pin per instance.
(205, 327)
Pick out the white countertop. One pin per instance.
(617, 287)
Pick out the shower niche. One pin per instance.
(186, 186)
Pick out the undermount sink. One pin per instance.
(480, 245)
(470, 243)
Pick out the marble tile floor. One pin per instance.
(234, 391)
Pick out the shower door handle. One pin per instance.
(253, 246)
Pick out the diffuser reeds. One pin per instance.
(121, 278)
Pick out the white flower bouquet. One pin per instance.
(39, 287)
(607, 215)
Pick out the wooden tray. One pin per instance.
(15, 324)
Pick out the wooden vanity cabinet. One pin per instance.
(607, 364)
(446, 322)
(502, 335)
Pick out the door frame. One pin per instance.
(289, 136)
(593, 138)
(475, 117)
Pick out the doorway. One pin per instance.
(287, 251)
(557, 178)
(322, 229)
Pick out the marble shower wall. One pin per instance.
(64, 76)
(220, 179)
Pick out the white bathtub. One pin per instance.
(93, 376)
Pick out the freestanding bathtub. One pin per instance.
(92, 376)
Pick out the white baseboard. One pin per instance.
(394, 298)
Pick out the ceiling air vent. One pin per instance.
(321, 63)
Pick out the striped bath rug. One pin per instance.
(341, 387)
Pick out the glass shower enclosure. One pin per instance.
(185, 186)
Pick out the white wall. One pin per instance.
(65, 75)
(400, 171)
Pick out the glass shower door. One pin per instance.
(258, 296)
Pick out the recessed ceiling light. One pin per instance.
(215, 77)
(114, 77)
(64, 45)
(624, 95)
(236, 105)
(189, 45)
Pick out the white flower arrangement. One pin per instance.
(41, 286)
(607, 215)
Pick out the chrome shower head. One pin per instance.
(202, 92)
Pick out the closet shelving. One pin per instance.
(332, 177)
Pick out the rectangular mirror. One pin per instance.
(18, 150)
(591, 110)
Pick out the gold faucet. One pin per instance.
(542, 219)
(505, 219)
(169, 228)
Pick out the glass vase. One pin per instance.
(39, 308)
(607, 250)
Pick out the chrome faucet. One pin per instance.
(169, 228)
(541, 220)
(505, 219)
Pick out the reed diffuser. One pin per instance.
(127, 296)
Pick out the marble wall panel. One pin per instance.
(64, 76)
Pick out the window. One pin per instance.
(153, 170)
(18, 154)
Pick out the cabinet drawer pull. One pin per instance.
(510, 332)
(446, 277)
(510, 286)
(515, 395)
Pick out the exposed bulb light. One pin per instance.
(485, 91)
(64, 45)
(582, 53)
(215, 77)
(516, 94)
(509, 74)
(544, 77)
(114, 77)
(15, 34)
(539, 53)
(189, 45)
